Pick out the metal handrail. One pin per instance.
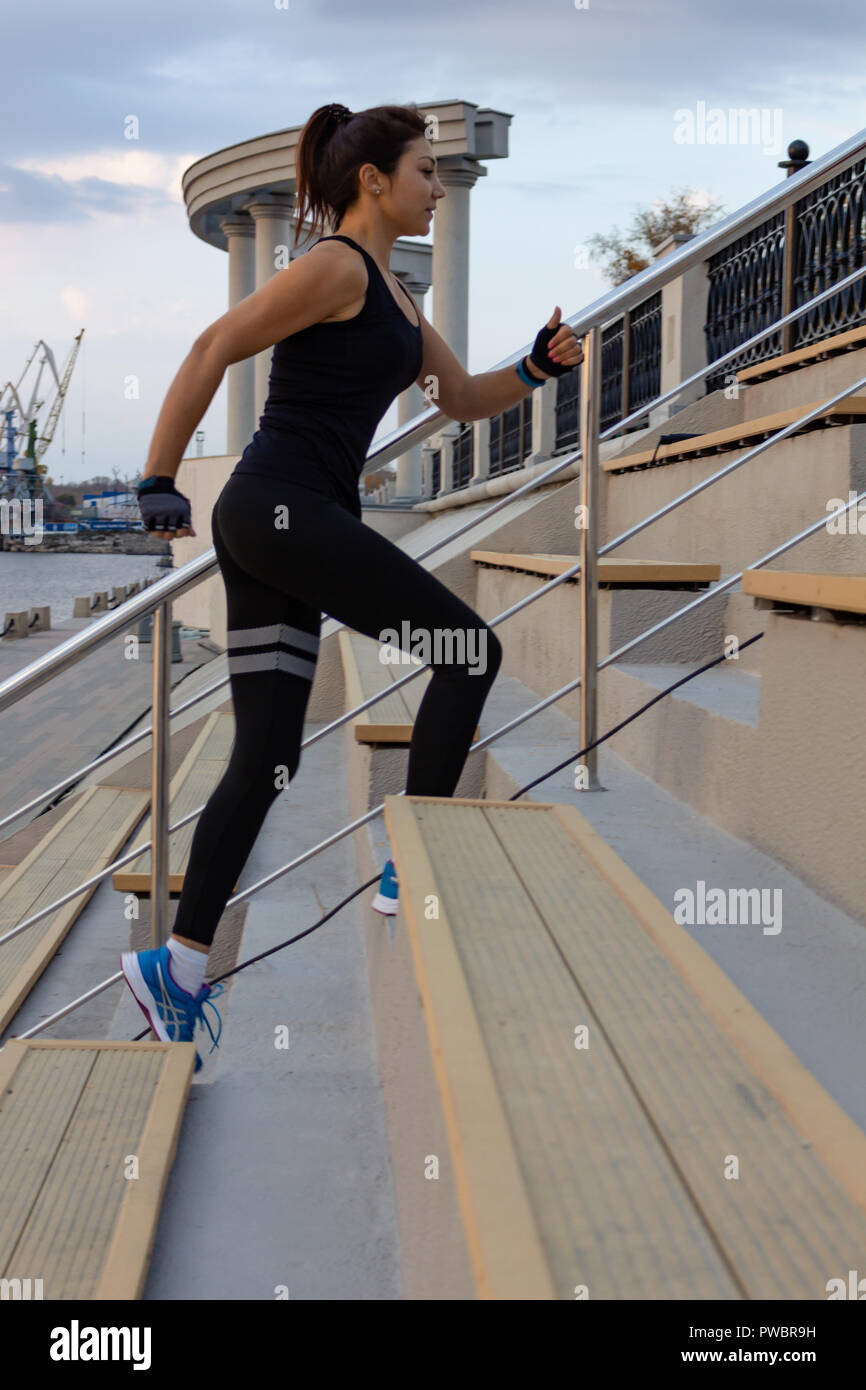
(476, 747)
(117, 748)
(638, 287)
(158, 597)
(415, 431)
(569, 573)
(564, 462)
(67, 653)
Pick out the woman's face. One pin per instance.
(415, 187)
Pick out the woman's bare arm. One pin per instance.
(461, 396)
(315, 286)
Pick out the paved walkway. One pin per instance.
(76, 716)
(282, 1175)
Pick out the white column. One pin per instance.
(240, 377)
(271, 213)
(458, 175)
(410, 403)
(543, 402)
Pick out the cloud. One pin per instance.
(31, 195)
(95, 228)
(224, 72)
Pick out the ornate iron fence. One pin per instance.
(612, 351)
(511, 437)
(784, 262)
(461, 468)
(644, 353)
(630, 371)
(745, 294)
(567, 410)
(754, 280)
(829, 244)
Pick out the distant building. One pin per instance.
(110, 505)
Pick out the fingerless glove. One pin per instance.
(539, 356)
(162, 507)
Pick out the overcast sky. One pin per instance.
(93, 230)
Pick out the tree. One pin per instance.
(624, 256)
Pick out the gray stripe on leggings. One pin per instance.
(272, 661)
(276, 632)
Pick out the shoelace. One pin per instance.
(201, 1016)
(179, 1017)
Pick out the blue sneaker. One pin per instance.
(385, 900)
(172, 1012)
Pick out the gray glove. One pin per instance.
(162, 507)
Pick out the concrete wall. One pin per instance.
(807, 790)
(754, 509)
(202, 481)
(541, 643)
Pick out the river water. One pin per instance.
(31, 581)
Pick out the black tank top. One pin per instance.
(329, 386)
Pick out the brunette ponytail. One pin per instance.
(333, 145)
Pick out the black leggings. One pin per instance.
(287, 554)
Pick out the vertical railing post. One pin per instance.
(788, 277)
(798, 158)
(590, 393)
(160, 776)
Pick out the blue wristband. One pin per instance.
(156, 482)
(526, 377)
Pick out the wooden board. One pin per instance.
(85, 840)
(609, 1166)
(843, 591)
(736, 436)
(628, 572)
(812, 352)
(73, 1117)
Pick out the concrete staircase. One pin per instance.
(746, 780)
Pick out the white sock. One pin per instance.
(187, 965)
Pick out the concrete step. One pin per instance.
(757, 507)
(806, 978)
(741, 436)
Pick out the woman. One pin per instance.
(287, 526)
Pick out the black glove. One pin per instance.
(539, 355)
(162, 507)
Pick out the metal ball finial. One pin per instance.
(798, 157)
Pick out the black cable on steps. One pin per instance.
(543, 778)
